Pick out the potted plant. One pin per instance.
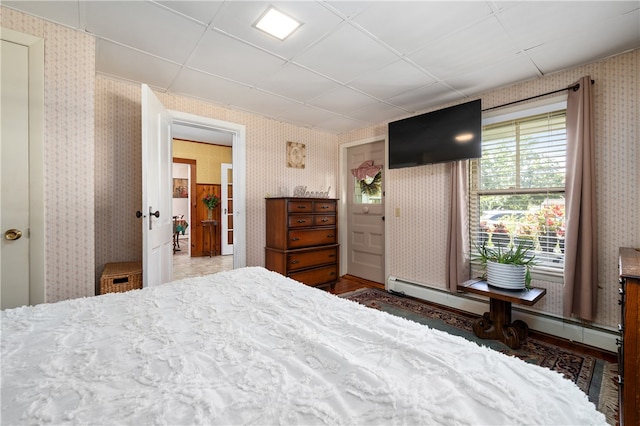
(211, 201)
(508, 268)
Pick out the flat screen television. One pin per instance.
(448, 134)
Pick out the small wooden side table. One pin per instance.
(210, 229)
(496, 324)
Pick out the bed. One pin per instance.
(250, 346)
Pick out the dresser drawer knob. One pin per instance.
(332, 273)
(324, 206)
(330, 235)
(332, 255)
(620, 328)
(295, 262)
(324, 219)
(295, 239)
(302, 206)
(301, 221)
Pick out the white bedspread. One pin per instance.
(252, 347)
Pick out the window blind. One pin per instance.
(517, 188)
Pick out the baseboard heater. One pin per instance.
(599, 337)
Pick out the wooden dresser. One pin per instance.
(629, 343)
(302, 236)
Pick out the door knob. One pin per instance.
(152, 213)
(13, 234)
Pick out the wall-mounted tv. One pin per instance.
(447, 134)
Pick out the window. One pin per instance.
(368, 190)
(518, 186)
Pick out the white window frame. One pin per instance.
(556, 103)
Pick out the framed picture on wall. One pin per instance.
(180, 188)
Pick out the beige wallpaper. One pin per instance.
(416, 238)
(69, 153)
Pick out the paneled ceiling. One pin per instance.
(350, 64)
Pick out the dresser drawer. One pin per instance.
(301, 206)
(298, 220)
(324, 220)
(324, 206)
(299, 238)
(318, 276)
(308, 259)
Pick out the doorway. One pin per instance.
(363, 209)
(208, 130)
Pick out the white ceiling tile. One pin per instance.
(295, 82)
(62, 12)
(422, 22)
(499, 74)
(221, 55)
(144, 26)
(204, 86)
(263, 103)
(590, 44)
(392, 80)
(425, 97)
(345, 54)
(378, 112)
(342, 100)
(534, 23)
(482, 43)
(238, 17)
(203, 11)
(116, 60)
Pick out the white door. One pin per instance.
(365, 215)
(226, 208)
(157, 158)
(14, 88)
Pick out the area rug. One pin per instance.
(596, 377)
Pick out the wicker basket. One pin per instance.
(119, 277)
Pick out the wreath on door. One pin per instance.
(371, 186)
(369, 177)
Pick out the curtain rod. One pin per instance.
(574, 88)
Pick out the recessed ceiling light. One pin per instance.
(277, 23)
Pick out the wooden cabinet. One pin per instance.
(302, 239)
(629, 342)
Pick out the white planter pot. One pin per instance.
(511, 277)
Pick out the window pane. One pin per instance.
(368, 191)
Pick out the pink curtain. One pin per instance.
(458, 238)
(581, 246)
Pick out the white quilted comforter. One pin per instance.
(252, 347)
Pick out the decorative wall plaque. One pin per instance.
(296, 155)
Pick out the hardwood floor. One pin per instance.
(349, 283)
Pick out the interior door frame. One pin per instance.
(225, 247)
(239, 160)
(345, 179)
(193, 164)
(37, 290)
